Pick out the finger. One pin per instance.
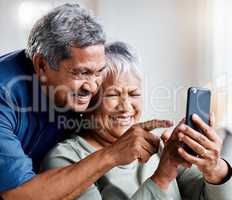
(207, 130)
(186, 165)
(152, 139)
(182, 121)
(212, 119)
(175, 131)
(200, 138)
(149, 148)
(190, 158)
(144, 156)
(197, 148)
(155, 123)
(165, 136)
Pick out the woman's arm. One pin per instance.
(215, 179)
(208, 178)
(191, 182)
(192, 185)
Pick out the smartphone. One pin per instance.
(198, 102)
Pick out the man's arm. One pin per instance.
(17, 179)
(63, 181)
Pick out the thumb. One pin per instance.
(165, 136)
(212, 119)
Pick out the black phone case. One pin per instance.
(198, 102)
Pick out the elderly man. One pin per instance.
(57, 75)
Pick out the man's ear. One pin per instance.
(40, 64)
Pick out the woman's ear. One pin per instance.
(40, 66)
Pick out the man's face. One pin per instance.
(78, 78)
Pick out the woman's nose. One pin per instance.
(125, 105)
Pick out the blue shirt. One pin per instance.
(26, 130)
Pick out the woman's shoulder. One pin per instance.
(66, 152)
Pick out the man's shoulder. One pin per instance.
(10, 55)
(14, 64)
(12, 59)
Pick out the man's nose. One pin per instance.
(91, 85)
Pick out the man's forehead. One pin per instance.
(89, 65)
(89, 57)
(92, 51)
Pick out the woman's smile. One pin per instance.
(123, 120)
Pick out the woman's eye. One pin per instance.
(111, 95)
(136, 95)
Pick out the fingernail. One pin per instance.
(195, 116)
(171, 123)
(168, 123)
(180, 150)
(180, 135)
(182, 127)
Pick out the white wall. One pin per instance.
(18, 17)
(166, 34)
(222, 59)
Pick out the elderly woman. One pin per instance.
(166, 175)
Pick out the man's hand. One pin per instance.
(137, 143)
(208, 148)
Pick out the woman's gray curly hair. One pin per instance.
(121, 58)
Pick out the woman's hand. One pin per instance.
(137, 143)
(207, 146)
(170, 160)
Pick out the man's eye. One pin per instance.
(99, 72)
(84, 73)
(74, 72)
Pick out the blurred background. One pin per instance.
(181, 43)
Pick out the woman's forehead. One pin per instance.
(124, 79)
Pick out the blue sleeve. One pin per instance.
(15, 166)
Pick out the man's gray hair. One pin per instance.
(66, 26)
(122, 58)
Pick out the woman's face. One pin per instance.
(121, 105)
